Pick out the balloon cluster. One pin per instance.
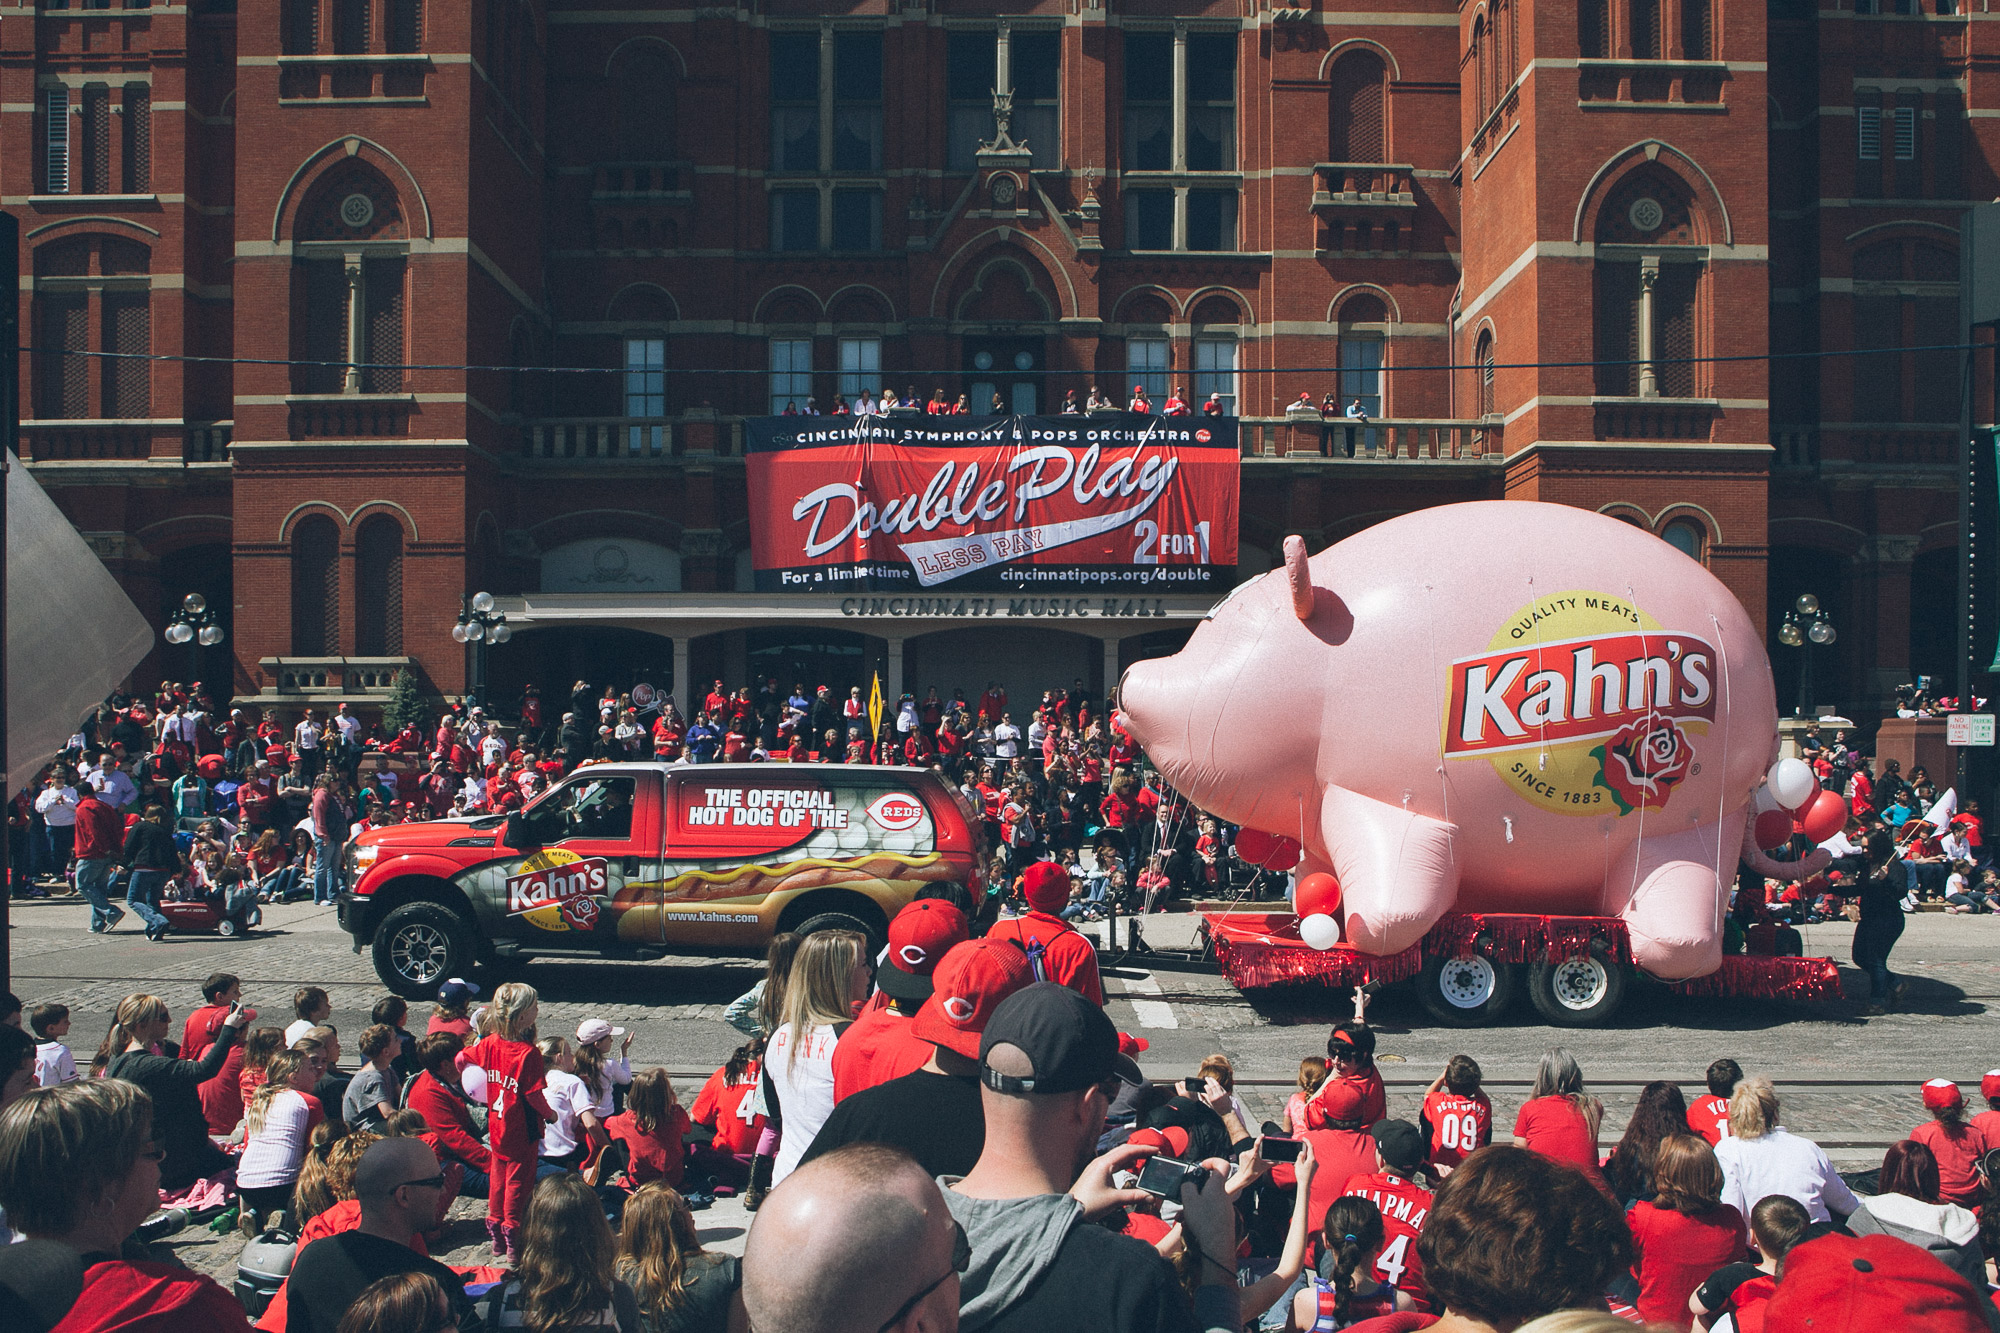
(1316, 900)
(1791, 802)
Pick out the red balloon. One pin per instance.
(1774, 828)
(1318, 892)
(1268, 850)
(1824, 816)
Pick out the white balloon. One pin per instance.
(1320, 931)
(1762, 799)
(1792, 782)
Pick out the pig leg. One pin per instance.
(1672, 888)
(1398, 871)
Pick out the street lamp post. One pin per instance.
(479, 625)
(1806, 627)
(194, 624)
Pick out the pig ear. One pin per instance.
(1299, 575)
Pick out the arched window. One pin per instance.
(1357, 132)
(1698, 31)
(315, 587)
(646, 96)
(1685, 536)
(378, 588)
(1479, 69)
(350, 250)
(1482, 357)
(1593, 29)
(80, 281)
(1363, 323)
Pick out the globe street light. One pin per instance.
(478, 626)
(1806, 627)
(194, 624)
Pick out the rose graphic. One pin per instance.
(1642, 761)
(580, 913)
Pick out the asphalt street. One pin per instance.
(1847, 1079)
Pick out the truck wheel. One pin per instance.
(1466, 992)
(1579, 992)
(843, 921)
(417, 946)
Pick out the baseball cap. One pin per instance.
(457, 991)
(1169, 1139)
(1848, 1284)
(1131, 1045)
(967, 987)
(1401, 1143)
(919, 938)
(1069, 1042)
(1046, 886)
(1942, 1094)
(595, 1029)
(1342, 1101)
(1990, 1085)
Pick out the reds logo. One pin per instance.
(897, 812)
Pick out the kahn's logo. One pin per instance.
(1577, 689)
(558, 883)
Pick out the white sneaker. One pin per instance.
(1909, 902)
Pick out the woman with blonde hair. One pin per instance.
(1760, 1157)
(129, 1052)
(277, 1127)
(564, 1278)
(680, 1287)
(575, 1133)
(829, 981)
(760, 1012)
(1685, 1232)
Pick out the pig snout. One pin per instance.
(1157, 704)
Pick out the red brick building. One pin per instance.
(489, 288)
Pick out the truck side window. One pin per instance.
(598, 809)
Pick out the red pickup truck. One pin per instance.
(639, 860)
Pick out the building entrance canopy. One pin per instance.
(895, 619)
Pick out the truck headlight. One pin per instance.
(360, 858)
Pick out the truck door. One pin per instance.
(599, 852)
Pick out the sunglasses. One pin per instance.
(428, 1182)
(961, 1259)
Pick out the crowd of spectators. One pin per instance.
(954, 1136)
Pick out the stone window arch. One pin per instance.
(315, 587)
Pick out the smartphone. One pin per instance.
(1196, 1084)
(1163, 1176)
(1279, 1149)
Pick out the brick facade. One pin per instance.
(406, 200)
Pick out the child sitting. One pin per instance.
(53, 1062)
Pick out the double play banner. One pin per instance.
(992, 503)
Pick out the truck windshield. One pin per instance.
(593, 808)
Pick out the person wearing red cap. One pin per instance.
(934, 1113)
(1957, 1145)
(880, 1046)
(1056, 950)
(1865, 1284)
(1341, 1144)
(1987, 1122)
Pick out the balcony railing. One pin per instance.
(365, 416)
(1382, 440)
(310, 677)
(641, 183)
(352, 77)
(1655, 418)
(629, 439)
(116, 440)
(1364, 205)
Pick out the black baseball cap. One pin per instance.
(1401, 1144)
(1069, 1042)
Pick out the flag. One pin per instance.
(875, 709)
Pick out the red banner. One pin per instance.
(1069, 503)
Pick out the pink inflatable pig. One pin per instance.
(1499, 707)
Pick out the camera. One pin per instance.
(1163, 1176)
(1280, 1149)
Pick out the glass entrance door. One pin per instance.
(1011, 368)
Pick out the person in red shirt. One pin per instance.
(1341, 1145)
(221, 1096)
(254, 797)
(651, 1127)
(1708, 1116)
(727, 1106)
(1405, 1205)
(516, 1110)
(1987, 1122)
(1560, 1119)
(1350, 1053)
(1458, 1112)
(1685, 1233)
(1957, 1145)
(666, 738)
(879, 1046)
(993, 702)
(1056, 950)
(438, 1098)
